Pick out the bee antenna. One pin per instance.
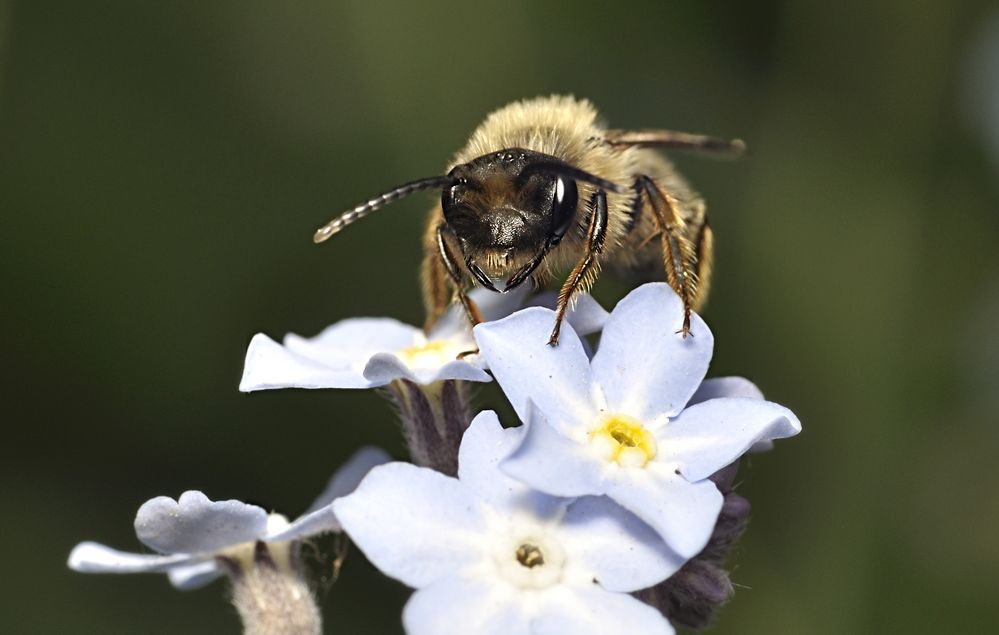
(564, 169)
(362, 210)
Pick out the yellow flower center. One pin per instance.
(530, 555)
(433, 353)
(623, 439)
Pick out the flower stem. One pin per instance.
(270, 593)
(434, 418)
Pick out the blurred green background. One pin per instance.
(163, 167)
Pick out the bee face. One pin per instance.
(505, 210)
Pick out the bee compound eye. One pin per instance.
(449, 196)
(565, 198)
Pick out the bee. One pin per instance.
(542, 187)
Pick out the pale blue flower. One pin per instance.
(374, 352)
(190, 533)
(622, 425)
(490, 556)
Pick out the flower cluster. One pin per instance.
(605, 490)
(610, 508)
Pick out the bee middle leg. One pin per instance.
(586, 270)
(679, 255)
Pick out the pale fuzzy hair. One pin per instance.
(558, 126)
(566, 128)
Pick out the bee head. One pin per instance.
(506, 210)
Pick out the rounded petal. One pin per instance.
(590, 610)
(194, 576)
(586, 315)
(353, 341)
(459, 605)
(552, 463)
(347, 477)
(414, 524)
(92, 557)
(555, 378)
(731, 387)
(717, 387)
(708, 436)
(269, 365)
(195, 524)
(493, 306)
(484, 445)
(645, 368)
(385, 368)
(320, 518)
(321, 521)
(681, 512)
(615, 548)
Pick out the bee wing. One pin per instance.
(673, 139)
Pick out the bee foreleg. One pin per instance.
(437, 294)
(586, 270)
(451, 267)
(679, 256)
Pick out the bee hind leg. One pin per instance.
(586, 270)
(679, 254)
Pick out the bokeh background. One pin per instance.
(163, 166)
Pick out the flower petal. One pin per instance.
(385, 368)
(708, 436)
(552, 463)
(321, 521)
(195, 524)
(556, 379)
(681, 512)
(413, 523)
(484, 445)
(347, 477)
(492, 306)
(320, 518)
(194, 576)
(731, 387)
(725, 387)
(269, 365)
(92, 557)
(591, 610)
(586, 315)
(459, 605)
(353, 341)
(615, 548)
(645, 368)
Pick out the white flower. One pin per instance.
(492, 557)
(718, 387)
(373, 352)
(617, 426)
(193, 531)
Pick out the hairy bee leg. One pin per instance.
(679, 256)
(436, 294)
(585, 271)
(705, 264)
(669, 139)
(451, 266)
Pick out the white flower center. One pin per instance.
(623, 439)
(432, 354)
(531, 561)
